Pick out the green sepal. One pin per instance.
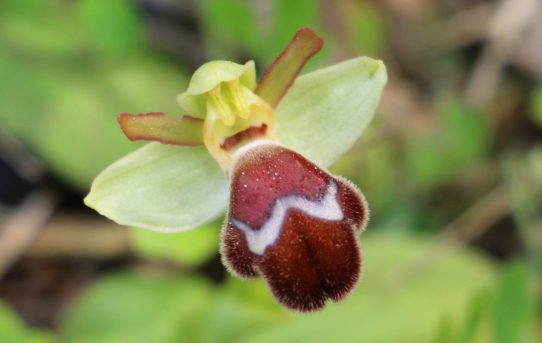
(162, 188)
(325, 111)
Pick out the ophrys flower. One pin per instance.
(289, 220)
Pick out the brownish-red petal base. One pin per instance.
(294, 224)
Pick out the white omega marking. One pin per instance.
(327, 208)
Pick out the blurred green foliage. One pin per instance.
(460, 139)
(67, 68)
(139, 309)
(394, 294)
(231, 26)
(536, 106)
(513, 307)
(12, 330)
(501, 314)
(190, 248)
(111, 27)
(365, 28)
(524, 180)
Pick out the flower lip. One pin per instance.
(294, 224)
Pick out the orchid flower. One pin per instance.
(262, 148)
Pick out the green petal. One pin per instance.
(327, 110)
(162, 188)
(156, 126)
(280, 75)
(210, 74)
(207, 77)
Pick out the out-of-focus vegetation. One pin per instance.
(452, 169)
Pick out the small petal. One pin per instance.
(325, 111)
(281, 74)
(162, 188)
(158, 127)
(294, 224)
(209, 76)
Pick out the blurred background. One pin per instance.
(451, 166)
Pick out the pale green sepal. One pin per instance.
(161, 188)
(325, 111)
(207, 77)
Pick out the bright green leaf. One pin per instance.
(162, 188)
(163, 308)
(325, 111)
(472, 329)
(445, 333)
(240, 309)
(188, 248)
(513, 305)
(474, 321)
(137, 309)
